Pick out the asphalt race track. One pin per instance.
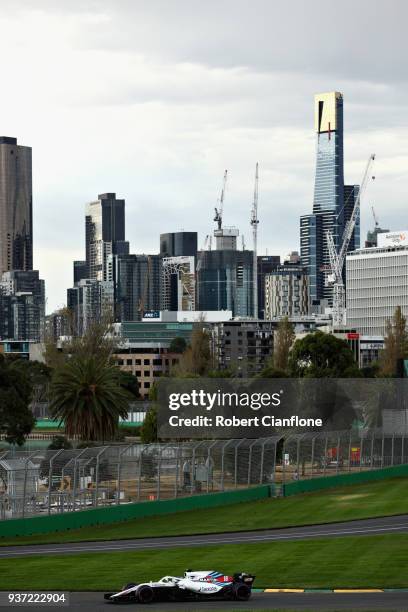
(375, 526)
(93, 602)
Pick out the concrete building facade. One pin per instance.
(377, 282)
(286, 292)
(265, 264)
(244, 347)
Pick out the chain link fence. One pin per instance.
(48, 482)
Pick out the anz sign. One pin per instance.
(151, 314)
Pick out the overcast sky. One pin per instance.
(153, 99)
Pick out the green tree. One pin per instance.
(54, 350)
(130, 383)
(148, 433)
(87, 395)
(16, 418)
(38, 375)
(98, 340)
(269, 371)
(196, 359)
(227, 373)
(320, 355)
(178, 345)
(395, 344)
(283, 341)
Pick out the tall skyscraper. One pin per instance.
(333, 202)
(16, 200)
(104, 234)
(92, 298)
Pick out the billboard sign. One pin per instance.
(393, 239)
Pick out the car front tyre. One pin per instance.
(145, 595)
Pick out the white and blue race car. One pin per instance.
(192, 586)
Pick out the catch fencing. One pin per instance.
(49, 482)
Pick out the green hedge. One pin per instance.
(341, 480)
(113, 514)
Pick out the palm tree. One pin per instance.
(86, 394)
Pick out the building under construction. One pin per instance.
(225, 281)
(179, 259)
(225, 275)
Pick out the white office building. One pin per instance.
(377, 282)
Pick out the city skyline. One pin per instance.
(157, 121)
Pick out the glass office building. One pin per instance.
(137, 284)
(225, 282)
(333, 201)
(16, 206)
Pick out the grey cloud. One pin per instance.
(361, 40)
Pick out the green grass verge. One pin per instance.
(351, 562)
(382, 498)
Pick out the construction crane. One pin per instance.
(254, 223)
(220, 209)
(376, 222)
(335, 278)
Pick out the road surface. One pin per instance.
(93, 602)
(375, 526)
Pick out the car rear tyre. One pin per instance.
(241, 592)
(145, 594)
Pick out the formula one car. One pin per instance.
(192, 586)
